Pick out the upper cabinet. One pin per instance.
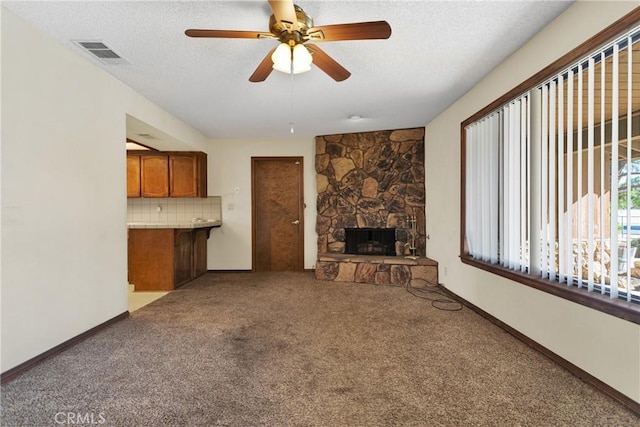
(167, 174)
(133, 176)
(188, 175)
(154, 176)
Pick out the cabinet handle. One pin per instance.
(296, 222)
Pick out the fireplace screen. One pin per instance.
(370, 241)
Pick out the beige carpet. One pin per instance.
(282, 349)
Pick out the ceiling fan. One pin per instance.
(295, 29)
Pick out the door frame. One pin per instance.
(301, 206)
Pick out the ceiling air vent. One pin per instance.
(101, 51)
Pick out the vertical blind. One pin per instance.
(497, 182)
(550, 175)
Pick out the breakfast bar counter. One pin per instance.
(196, 223)
(163, 256)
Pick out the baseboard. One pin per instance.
(306, 270)
(575, 370)
(12, 373)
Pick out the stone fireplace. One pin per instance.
(370, 181)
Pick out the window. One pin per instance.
(551, 177)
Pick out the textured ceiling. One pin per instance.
(437, 51)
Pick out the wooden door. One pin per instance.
(154, 176)
(277, 211)
(133, 176)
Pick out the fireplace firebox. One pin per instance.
(370, 241)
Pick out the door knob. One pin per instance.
(296, 222)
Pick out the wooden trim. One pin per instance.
(573, 369)
(229, 271)
(301, 207)
(615, 307)
(12, 373)
(254, 161)
(463, 189)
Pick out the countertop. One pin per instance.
(180, 224)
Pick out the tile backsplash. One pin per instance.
(174, 209)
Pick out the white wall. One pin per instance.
(229, 164)
(604, 346)
(64, 207)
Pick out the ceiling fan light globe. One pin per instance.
(281, 58)
(301, 59)
(286, 69)
(304, 69)
(301, 56)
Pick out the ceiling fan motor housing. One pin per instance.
(285, 33)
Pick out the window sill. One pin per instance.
(624, 310)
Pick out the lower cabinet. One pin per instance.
(162, 259)
(200, 236)
(183, 257)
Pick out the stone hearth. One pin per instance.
(380, 270)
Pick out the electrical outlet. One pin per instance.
(230, 206)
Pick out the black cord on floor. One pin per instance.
(443, 302)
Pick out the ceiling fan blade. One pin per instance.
(228, 34)
(285, 13)
(264, 69)
(355, 31)
(327, 64)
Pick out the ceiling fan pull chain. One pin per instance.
(292, 98)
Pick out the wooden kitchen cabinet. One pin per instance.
(150, 259)
(183, 257)
(167, 174)
(188, 174)
(162, 259)
(200, 236)
(154, 176)
(133, 176)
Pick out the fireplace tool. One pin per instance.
(410, 247)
